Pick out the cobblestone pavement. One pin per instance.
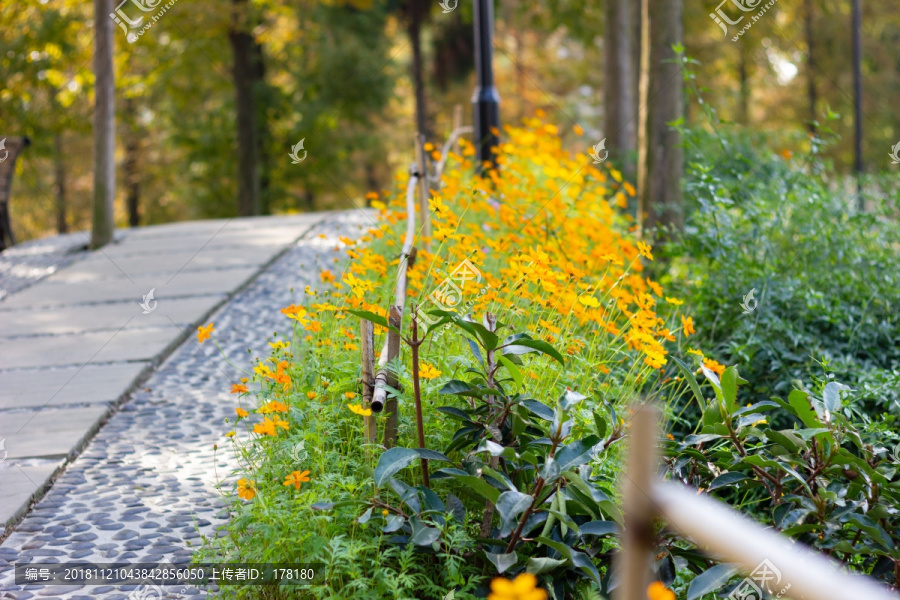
(144, 489)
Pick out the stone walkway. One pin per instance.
(144, 487)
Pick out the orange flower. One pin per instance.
(523, 587)
(241, 413)
(687, 325)
(204, 332)
(714, 366)
(658, 591)
(311, 395)
(295, 478)
(246, 488)
(428, 372)
(239, 388)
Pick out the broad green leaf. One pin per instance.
(456, 413)
(872, 528)
(502, 561)
(514, 371)
(799, 402)
(729, 388)
(524, 346)
(394, 522)
(425, 536)
(577, 453)
(570, 399)
(832, 395)
(370, 316)
(725, 479)
(472, 484)
(710, 580)
(509, 505)
(786, 438)
(455, 386)
(543, 564)
(539, 408)
(600, 528)
(364, 518)
(600, 423)
(393, 461)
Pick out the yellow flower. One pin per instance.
(311, 395)
(523, 587)
(658, 591)
(687, 325)
(241, 413)
(230, 434)
(358, 409)
(295, 478)
(279, 345)
(349, 395)
(589, 301)
(428, 372)
(246, 488)
(644, 250)
(714, 366)
(239, 388)
(384, 513)
(295, 312)
(203, 332)
(579, 131)
(674, 301)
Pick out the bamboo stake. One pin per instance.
(391, 406)
(420, 427)
(367, 345)
(638, 482)
(424, 210)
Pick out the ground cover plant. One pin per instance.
(523, 392)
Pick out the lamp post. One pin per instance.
(485, 100)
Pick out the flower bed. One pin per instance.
(524, 388)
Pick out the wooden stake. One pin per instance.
(424, 210)
(420, 427)
(367, 345)
(393, 351)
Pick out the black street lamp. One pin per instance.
(485, 100)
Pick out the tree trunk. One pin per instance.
(132, 183)
(665, 158)
(643, 95)
(104, 127)
(857, 99)
(811, 90)
(59, 175)
(416, 15)
(258, 77)
(620, 127)
(242, 43)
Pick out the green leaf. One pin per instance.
(475, 350)
(424, 535)
(364, 518)
(394, 522)
(729, 388)
(579, 559)
(710, 580)
(544, 564)
(456, 413)
(570, 399)
(600, 423)
(832, 395)
(525, 345)
(430, 454)
(393, 461)
(514, 371)
(872, 528)
(473, 484)
(502, 561)
(692, 381)
(455, 386)
(370, 316)
(577, 453)
(786, 438)
(600, 528)
(509, 505)
(538, 408)
(799, 402)
(725, 479)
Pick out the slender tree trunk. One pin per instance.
(643, 96)
(811, 90)
(665, 158)
(59, 175)
(104, 127)
(744, 100)
(242, 43)
(620, 127)
(132, 177)
(857, 98)
(416, 15)
(258, 76)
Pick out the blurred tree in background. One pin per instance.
(217, 93)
